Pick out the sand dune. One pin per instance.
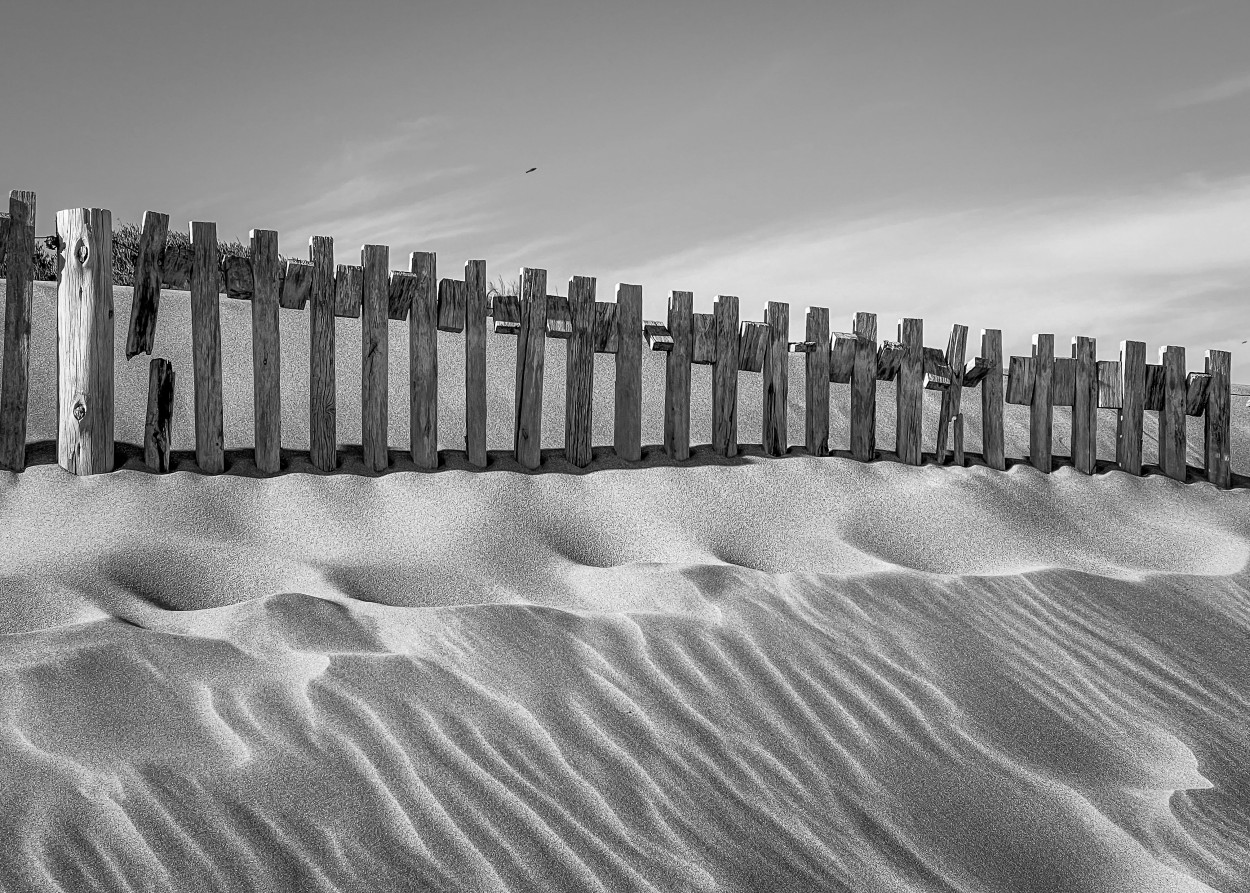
(759, 674)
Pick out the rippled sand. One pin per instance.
(765, 674)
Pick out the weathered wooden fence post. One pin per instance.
(157, 431)
(677, 376)
(1041, 409)
(423, 361)
(1218, 418)
(322, 414)
(85, 340)
(475, 362)
(1085, 405)
(375, 266)
(149, 262)
(864, 389)
(816, 382)
(725, 376)
(1172, 416)
(776, 378)
(206, 348)
(627, 422)
(993, 450)
(266, 352)
(1128, 439)
(909, 392)
(530, 360)
(579, 371)
(952, 396)
(19, 290)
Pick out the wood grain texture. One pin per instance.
(889, 358)
(206, 349)
(347, 291)
(1020, 381)
(1172, 415)
(677, 376)
(1196, 386)
(627, 422)
(909, 391)
(1217, 421)
(752, 346)
(475, 361)
(703, 338)
(776, 379)
(375, 371)
(975, 371)
(953, 395)
(176, 266)
(1128, 438)
(1085, 404)
(237, 278)
(725, 376)
(4, 235)
(157, 429)
(605, 327)
(864, 377)
(957, 429)
(266, 352)
(423, 361)
(1063, 381)
(1042, 410)
(1155, 378)
(506, 312)
(296, 285)
(579, 371)
(559, 319)
(816, 382)
(1110, 395)
(530, 356)
(842, 349)
(657, 334)
(19, 290)
(451, 305)
(322, 413)
(401, 290)
(992, 439)
(149, 259)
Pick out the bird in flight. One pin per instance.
(531, 170)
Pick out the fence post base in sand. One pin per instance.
(157, 431)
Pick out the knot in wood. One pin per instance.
(81, 251)
(80, 410)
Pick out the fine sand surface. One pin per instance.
(753, 674)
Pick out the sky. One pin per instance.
(1067, 167)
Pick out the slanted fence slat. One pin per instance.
(423, 358)
(322, 415)
(531, 347)
(296, 285)
(375, 263)
(1128, 442)
(157, 429)
(909, 391)
(19, 290)
(816, 380)
(147, 290)
(579, 371)
(627, 422)
(206, 349)
(266, 351)
(677, 376)
(864, 389)
(475, 362)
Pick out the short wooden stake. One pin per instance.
(580, 371)
(423, 360)
(816, 381)
(323, 426)
(19, 290)
(156, 432)
(677, 376)
(1041, 409)
(627, 422)
(375, 282)
(957, 435)
(1085, 405)
(475, 362)
(1218, 418)
(266, 351)
(531, 350)
(952, 396)
(992, 441)
(1128, 439)
(909, 387)
(725, 376)
(147, 291)
(1172, 446)
(776, 378)
(864, 389)
(206, 349)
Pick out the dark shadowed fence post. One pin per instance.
(1085, 405)
(423, 360)
(909, 391)
(952, 396)
(1041, 409)
(530, 357)
(375, 266)
(322, 414)
(84, 325)
(19, 289)
(579, 370)
(206, 348)
(816, 382)
(1128, 439)
(627, 422)
(475, 361)
(864, 389)
(725, 376)
(1172, 415)
(266, 352)
(993, 450)
(1218, 418)
(157, 429)
(677, 376)
(776, 378)
(149, 261)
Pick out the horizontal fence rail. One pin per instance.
(370, 291)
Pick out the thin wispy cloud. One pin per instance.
(1230, 88)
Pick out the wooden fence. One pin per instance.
(375, 294)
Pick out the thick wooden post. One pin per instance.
(1218, 418)
(531, 350)
(725, 376)
(1172, 416)
(909, 392)
(580, 371)
(19, 289)
(816, 382)
(423, 361)
(993, 450)
(85, 340)
(375, 282)
(266, 352)
(156, 431)
(1085, 405)
(322, 416)
(1041, 409)
(677, 376)
(147, 292)
(864, 388)
(475, 362)
(1128, 439)
(951, 397)
(627, 422)
(206, 348)
(776, 378)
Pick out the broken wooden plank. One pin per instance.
(992, 441)
(842, 348)
(889, 358)
(157, 428)
(703, 339)
(1128, 444)
(579, 371)
(176, 266)
(1084, 404)
(530, 357)
(936, 381)
(952, 396)
(677, 376)
(1042, 410)
(1020, 381)
(19, 291)
(627, 421)
(475, 361)
(752, 346)
(374, 371)
(451, 304)
(909, 392)
(423, 361)
(206, 349)
(1110, 395)
(266, 351)
(1155, 377)
(725, 376)
(147, 291)
(974, 371)
(323, 447)
(1217, 422)
(816, 381)
(559, 317)
(605, 327)
(296, 285)
(347, 295)
(657, 335)
(1172, 446)
(237, 277)
(401, 289)
(1196, 386)
(1063, 382)
(776, 379)
(864, 375)
(506, 311)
